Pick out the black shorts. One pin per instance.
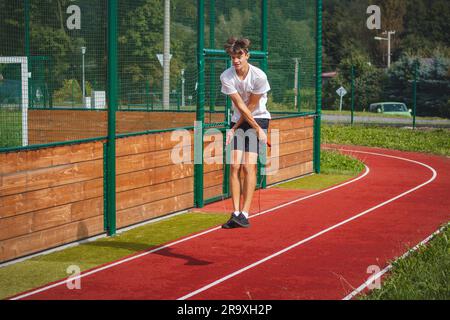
(245, 137)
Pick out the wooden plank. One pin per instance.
(213, 178)
(13, 162)
(15, 226)
(46, 126)
(135, 145)
(292, 147)
(290, 172)
(309, 122)
(142, 121)
(211, 192)
(51, 138)
(86, 209)
(292, 123)
(172, 139)
(49, 197)
(218, 166)
(50, 217)
(50, 177)
(154, 209)
(143, 161)
(154, 176)
(285, 136)
(152, 143)
(49, 238)
(287, 124)
(149, 194)
(290, 159)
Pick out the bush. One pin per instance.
(71, 92)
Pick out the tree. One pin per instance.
(433, 82)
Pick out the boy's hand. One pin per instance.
(229, 137)
(262, 135)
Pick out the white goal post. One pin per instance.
(24, 90)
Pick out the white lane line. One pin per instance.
(215, 283)
(372, 279)
(119, 262)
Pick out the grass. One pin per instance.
(10, 128)
(43, 269)
(335, 168)
(423, 275)
(375, 115)
(435, 141)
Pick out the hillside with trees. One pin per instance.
(421, 40)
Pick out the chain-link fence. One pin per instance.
(64, 43)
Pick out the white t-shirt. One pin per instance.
(255, 82)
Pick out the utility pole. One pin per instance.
(388, 39)
(83, 52)
(182, 88)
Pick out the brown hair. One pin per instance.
(237, 46)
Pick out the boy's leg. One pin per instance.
(235, 187)
(235, 182)
(250, 161)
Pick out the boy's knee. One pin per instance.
(249, 169)
(234, 168)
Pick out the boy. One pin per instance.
(247, 86)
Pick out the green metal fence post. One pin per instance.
(264, 38)
(200, 117)
(316, 159)
(112, 107)
(353, 94)
(264, 65)
(147, 95)
(212, 71)
(415, 94)
(27, 48)
(228, 102)
(73, 93)
(298, 88)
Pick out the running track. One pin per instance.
(318, 247)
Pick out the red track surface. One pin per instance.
(328, 266)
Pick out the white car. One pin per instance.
(398, 108)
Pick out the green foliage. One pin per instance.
(433, 75)
(70, 92)
(368, 83)
(140, 39)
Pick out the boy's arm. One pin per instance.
(246, 111)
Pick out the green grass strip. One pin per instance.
(423, 275)
(376, 115)
(436, 141)
(40, 270)
(335, 169)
